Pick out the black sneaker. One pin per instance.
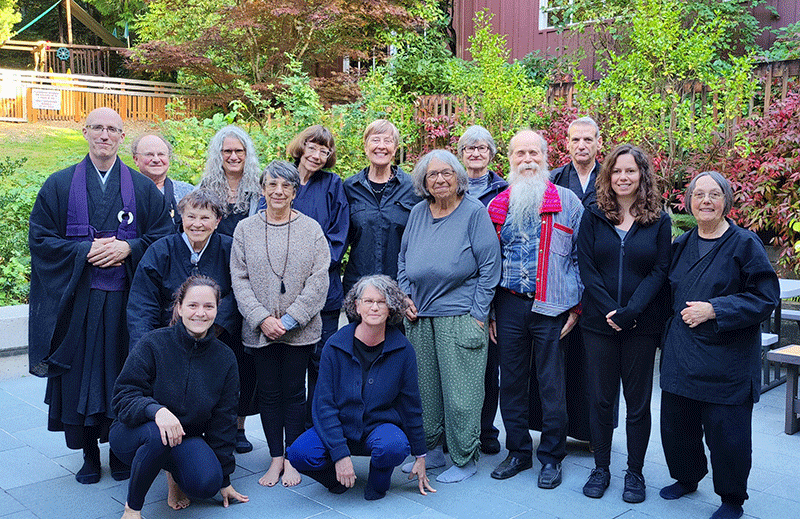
(634, 488)
(597, 484)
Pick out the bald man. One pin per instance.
(89, 226)
(151, 154)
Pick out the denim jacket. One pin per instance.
(558, 283)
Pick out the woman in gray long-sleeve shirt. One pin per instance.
(449, 265)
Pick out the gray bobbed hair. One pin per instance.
(395, 298)
(421, 169)
(723, 184)
(475, 135)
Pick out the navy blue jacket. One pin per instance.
(629, 277)
(496, 185)
(719, 361)
(376, 229)
(566, 176)
(323, 199)
(343, 411)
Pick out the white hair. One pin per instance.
(527, 193)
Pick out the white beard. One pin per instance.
(528, 184)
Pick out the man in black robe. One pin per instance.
(89, 226)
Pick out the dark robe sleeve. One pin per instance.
(57, 267)
(154, 221)
(145, 302)
(339, 224)
(759, 291)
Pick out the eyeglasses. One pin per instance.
(386, 140)
(238, 151)
(713, 196)
(151, 155)
(446, 174)
(369, 302)
(99, 129)
(323, 151)
(480, 149)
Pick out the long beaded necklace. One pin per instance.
(286, 258)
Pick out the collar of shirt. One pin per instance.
(195, 255)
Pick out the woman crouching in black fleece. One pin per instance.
(160, 424)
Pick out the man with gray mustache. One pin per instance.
(537, 224)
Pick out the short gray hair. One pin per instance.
(472, 136)
(421, 170)
(585, 121)
(281, 169)
(395, 298)
(202, 199)
(721, 181)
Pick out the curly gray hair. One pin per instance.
(421, 171)
(214, 176)
(395, 298)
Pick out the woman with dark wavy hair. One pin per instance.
(367, 401)
(623, 254)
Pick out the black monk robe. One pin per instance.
(78, 336)
(719, 361)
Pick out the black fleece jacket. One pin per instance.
(627, 276)
(197, 380)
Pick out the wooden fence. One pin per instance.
(774, 82)
(27, 96)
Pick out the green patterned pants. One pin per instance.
(451, 358)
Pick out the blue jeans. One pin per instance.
(387, 446)
(193, 464)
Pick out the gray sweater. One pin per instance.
(450, 266)
(258, 289)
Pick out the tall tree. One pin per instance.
(254, 40)
(9, 15)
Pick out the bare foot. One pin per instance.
(176, 498)
(273, 474)
(290, 475)
(131, 513)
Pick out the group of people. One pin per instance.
(163, 314)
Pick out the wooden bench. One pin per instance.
(789, 355)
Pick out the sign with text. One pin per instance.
(43, 99)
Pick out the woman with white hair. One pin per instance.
(449, 264)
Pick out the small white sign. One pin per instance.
(46, 99)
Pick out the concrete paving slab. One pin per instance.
(9, 505)
(7, 441)
(64, 498)
(24, 466)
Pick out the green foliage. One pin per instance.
(9, 15)
(646, 95)
(787, 44)
(17, 194)
(422, 68)
(501, 94)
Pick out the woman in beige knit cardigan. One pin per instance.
(279, 273)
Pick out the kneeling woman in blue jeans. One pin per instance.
(367, 399)
(176, 401)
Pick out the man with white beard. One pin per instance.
(537, 223)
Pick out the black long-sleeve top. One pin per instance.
(628, 275)
(197, 380)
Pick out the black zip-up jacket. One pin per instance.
(628, 275)
(197, 380)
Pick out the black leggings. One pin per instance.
(281, 373)
(610, 358)
(193, 464)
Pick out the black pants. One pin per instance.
(491, 384)
(728, 432)
(281, 371)
(193, 463)
(610, 358)
(330, 324)
(529, 346)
